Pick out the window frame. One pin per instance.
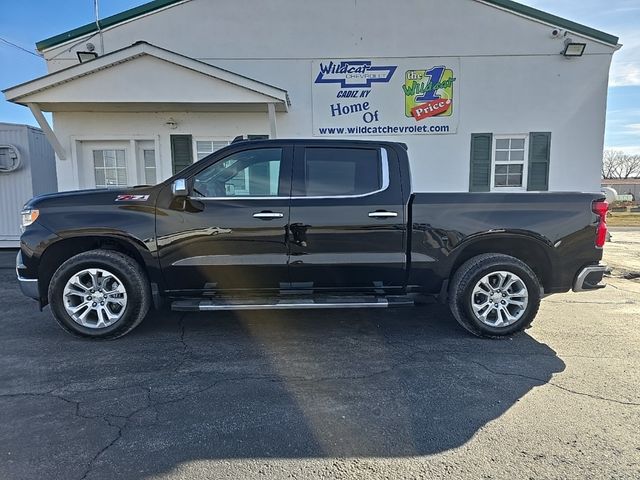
(83, 145)
(146, 168)
(284, 174)
(104, 167)
(383, 158)
(140, 147)
(525, 162)
(228, 141)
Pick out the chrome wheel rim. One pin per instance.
(499, 299)
(95, 298)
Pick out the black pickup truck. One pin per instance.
(276, 224)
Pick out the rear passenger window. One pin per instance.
(341, 171)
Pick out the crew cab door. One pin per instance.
(231, 232)
(347, 219)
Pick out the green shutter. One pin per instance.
(539, 155)
(480, 169)
(181, 152)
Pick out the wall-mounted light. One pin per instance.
(172, 124)
(573, 49)
(86, 56)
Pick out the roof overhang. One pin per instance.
(144, 77)
(106, 22)
(157, 5)
(554, 20)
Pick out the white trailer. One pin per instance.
(27, 169)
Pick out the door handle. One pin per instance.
(384, 214)
(268, 215)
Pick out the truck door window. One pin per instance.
(250, 173)
(341, 171)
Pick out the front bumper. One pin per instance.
(28, 286)
(589, 278)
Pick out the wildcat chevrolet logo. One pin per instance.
(354, 73)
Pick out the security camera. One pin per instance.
(556, 33)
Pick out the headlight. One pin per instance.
(29, 215)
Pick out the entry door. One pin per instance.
(347, 219)
(107, 164)
(232, 232)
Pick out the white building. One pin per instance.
(482, 91)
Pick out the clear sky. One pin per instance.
(25, 22)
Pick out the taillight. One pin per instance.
(601, 208)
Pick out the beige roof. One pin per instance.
(621, 181)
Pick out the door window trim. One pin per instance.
(384, 159)
(245, 198)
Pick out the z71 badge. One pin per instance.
(132, 198)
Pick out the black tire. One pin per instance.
(470, 273)
(132, 277)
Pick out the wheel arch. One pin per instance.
(59, 252)
(537, 253)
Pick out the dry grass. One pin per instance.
(621, 219)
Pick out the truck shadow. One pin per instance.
(340, 383)
(256, 385)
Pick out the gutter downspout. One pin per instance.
(48, 131)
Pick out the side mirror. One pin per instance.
(179, 188)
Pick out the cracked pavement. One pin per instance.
(401, 393)
(623, 251)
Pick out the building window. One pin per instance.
(509, 170)
(149, 159)
(110, 168)
(205, 148)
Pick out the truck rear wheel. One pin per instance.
(494, 295)
(100, 295)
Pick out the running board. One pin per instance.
(208, 305)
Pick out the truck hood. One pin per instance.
(103, 196)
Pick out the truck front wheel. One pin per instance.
(100, 294)
(494, 295)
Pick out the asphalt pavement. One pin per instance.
(374, 394)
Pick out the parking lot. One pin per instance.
(402, 393)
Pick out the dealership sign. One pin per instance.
(408, 96)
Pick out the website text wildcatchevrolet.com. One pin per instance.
(383, 130)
